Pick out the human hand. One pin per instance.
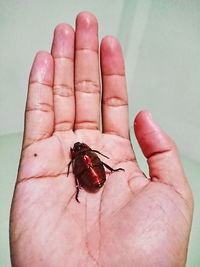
(131, 220)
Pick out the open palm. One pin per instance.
(131, 220)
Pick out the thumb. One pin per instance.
(161, 153)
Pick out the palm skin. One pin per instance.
(130, 221)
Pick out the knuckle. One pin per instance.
(92, 125)
(87, 86)
(63, 90)
(63, 126)
(87, 50)
(115, 101)
(44, 107)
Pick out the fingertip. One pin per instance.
(110, 43)
(142, 116)
(43, 57)
(63, 27)
(110, 46)
(86, 19)
(151, 138)
(86, 31)
(112, 60)
(63, 42)
(42, 68)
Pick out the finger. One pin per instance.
(87, 87)
(115, 100)
(39, 115)
(63, 89)
(160, 151)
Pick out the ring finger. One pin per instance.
(115, 99)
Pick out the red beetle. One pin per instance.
(88, 169)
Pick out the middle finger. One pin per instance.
(87, 85)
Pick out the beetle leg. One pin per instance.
(77, 193)
(96, 151)
(77, 190)
(69, 167)
(111, 169)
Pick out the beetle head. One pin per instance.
(78, 148)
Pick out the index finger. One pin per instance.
(87, 86)
(39, 116)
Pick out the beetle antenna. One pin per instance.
(96, 151)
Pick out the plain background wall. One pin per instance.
(161, 44)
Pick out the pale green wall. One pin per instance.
(10, 148)
(161, 43)
(192, 170)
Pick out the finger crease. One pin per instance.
(159, 153)
(40, 83)
(115, 102)
(63, 90)
(44, 107)
(68, 58)
(126, 160)
(40, 177)
(87, 49)
(114, 74)
(116, 133)
(87, 86)
(35, 140)
(93, 125)
(63, 126)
